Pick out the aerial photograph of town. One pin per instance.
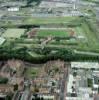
(49, 49)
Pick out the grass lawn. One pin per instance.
(92, 41)
(54, 33)
(79, 31)
(48, 20)
(32, 72)
(13, 33)
(33, 54)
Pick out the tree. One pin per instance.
(36, 89)
(53, 83)
(15, 87)
(74, 74)
(3, 80)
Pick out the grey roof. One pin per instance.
(96, 97)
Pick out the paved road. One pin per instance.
(25, 95)
(63, 84)
(16, 96)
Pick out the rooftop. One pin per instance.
(85, 65)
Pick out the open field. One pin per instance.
(79, 31)
(13, 33)
(59, 32)
(53, 33)
(48, 20)
(92, 39)
(80, 38)
(84, 38)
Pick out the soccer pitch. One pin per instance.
(53, 33)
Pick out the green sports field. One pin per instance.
(53, 33)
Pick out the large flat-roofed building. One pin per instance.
(95, 82)
(47, 4)
(85, 65)
(13, 9)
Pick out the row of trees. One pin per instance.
(63, 54)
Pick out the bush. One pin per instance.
(3, 80)
(89, 81)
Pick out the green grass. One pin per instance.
(89, 82)
(33, 54)
(90, 0)
(32, 72)
(79, 31)
(48, 20)
(92, 41)
(65, 42)
(89, 43)
(54, 33)
(13, 33)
